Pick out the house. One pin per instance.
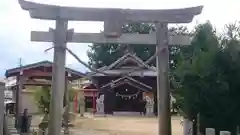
(36, 74)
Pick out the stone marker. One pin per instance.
(225, 133)
(210, 131)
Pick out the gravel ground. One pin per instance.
(122, 126)
(117, 125)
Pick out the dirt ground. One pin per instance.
(117, 125)
(122, 126)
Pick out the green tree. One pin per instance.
(207, 77)
(98, 54)
(43, 96)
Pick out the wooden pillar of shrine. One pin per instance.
(81, 102)
(105, 102)
(76, 106)
(94, 94)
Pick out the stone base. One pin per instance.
(150, 114)
(100, 108)
(126, 113)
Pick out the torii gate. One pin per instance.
(113, 20)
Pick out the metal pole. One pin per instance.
(58, 77)
(163, 94)
(18, 97)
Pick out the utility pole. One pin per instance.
(18, 96)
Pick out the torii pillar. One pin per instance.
(163, 93)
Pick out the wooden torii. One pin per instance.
(113, 20)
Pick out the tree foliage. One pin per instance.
(98, 54)
(207, 80)
(43, 95)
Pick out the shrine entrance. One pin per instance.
(124, 94)
(128, 99)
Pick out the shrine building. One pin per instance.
(125, 93)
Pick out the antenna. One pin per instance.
(20, 66)
(20, 62)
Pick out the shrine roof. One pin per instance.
(127, 63)
(127, 80)
(131, 59)
(16, 71)
(140, 72)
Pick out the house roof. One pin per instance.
(15, 71)
(30, 82)
(127, 80)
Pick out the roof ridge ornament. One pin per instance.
(128, 49)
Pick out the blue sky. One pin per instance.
(15, 26)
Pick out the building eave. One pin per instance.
(127, 80)
(139, 73)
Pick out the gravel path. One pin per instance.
(87, 132)
(118, 125)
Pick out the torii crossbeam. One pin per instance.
(113, 20)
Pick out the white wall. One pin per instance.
(28, 102)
